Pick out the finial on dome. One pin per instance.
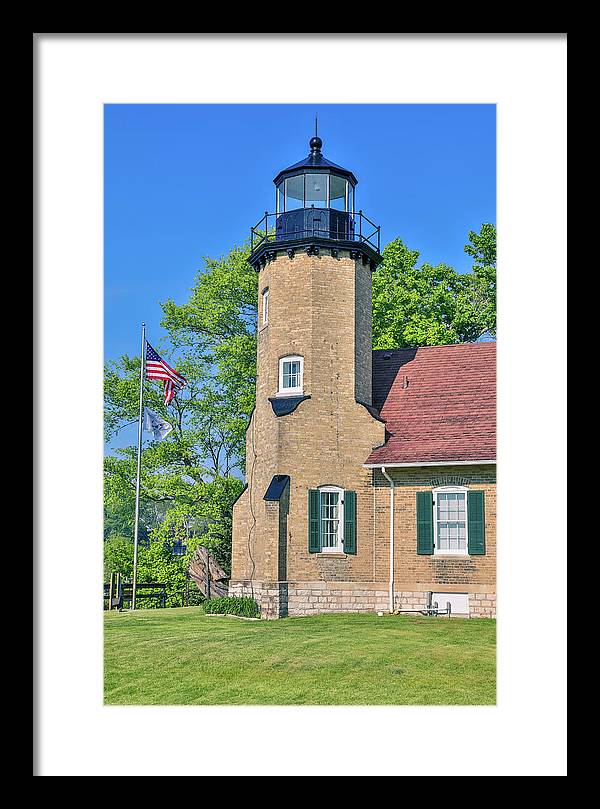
(315, 143)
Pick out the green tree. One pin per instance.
(426, 305)
(156, 563)
(119, 502)
(118, 556)
(189, 476)
(482, 248)
(218, 323)
(191, 479)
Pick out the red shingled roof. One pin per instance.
(448, 410)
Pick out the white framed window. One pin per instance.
(331, 503)
(450, 525)
(291, 373)
(265, 306)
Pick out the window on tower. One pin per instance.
(291, 372)
(265, 306)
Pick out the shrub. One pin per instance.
(233, 605)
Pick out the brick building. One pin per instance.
(370, 474)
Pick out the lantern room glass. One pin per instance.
(350, 199)
(338, 193)
(318, 190)
(294, 192)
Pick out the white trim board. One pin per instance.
(425, 463)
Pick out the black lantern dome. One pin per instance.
(315, 207)
(315, 161)
(315, 182)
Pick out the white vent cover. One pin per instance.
(459, 602)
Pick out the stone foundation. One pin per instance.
(481, 605)
(279, 599)
(312, 598)
(271, 596)
(411, 600)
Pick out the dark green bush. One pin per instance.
(233, 605)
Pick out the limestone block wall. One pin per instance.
(278, 599)
(315, 304)
(363, 333)
(281, 599)
(482, 605)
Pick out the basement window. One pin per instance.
(291, 372)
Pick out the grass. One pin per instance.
(183, 657)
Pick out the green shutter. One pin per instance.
(349, 522)
(425, 523)
(314, 521)
(476, 518)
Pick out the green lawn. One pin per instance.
(182, 657)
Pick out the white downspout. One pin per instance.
(391, 482)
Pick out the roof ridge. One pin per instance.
(442, 345)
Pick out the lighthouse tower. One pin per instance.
(303, 526)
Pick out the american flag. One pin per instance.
(157, 368)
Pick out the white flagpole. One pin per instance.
(139, 468)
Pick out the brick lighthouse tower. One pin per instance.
(303, 526)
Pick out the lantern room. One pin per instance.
(315, 207)
(315, 182)
(314, 197)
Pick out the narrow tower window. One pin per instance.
(265, 306)
(291, 371)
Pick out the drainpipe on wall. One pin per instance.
(391, 482)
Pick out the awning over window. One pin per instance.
(276, 487)
(283, 405)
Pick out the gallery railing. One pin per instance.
(316, 223)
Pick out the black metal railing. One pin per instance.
(315, 223)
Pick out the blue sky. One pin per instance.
(187, 181)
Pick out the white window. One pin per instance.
(291, 370)
(332, 518)
(450, 520)
(265, 307)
